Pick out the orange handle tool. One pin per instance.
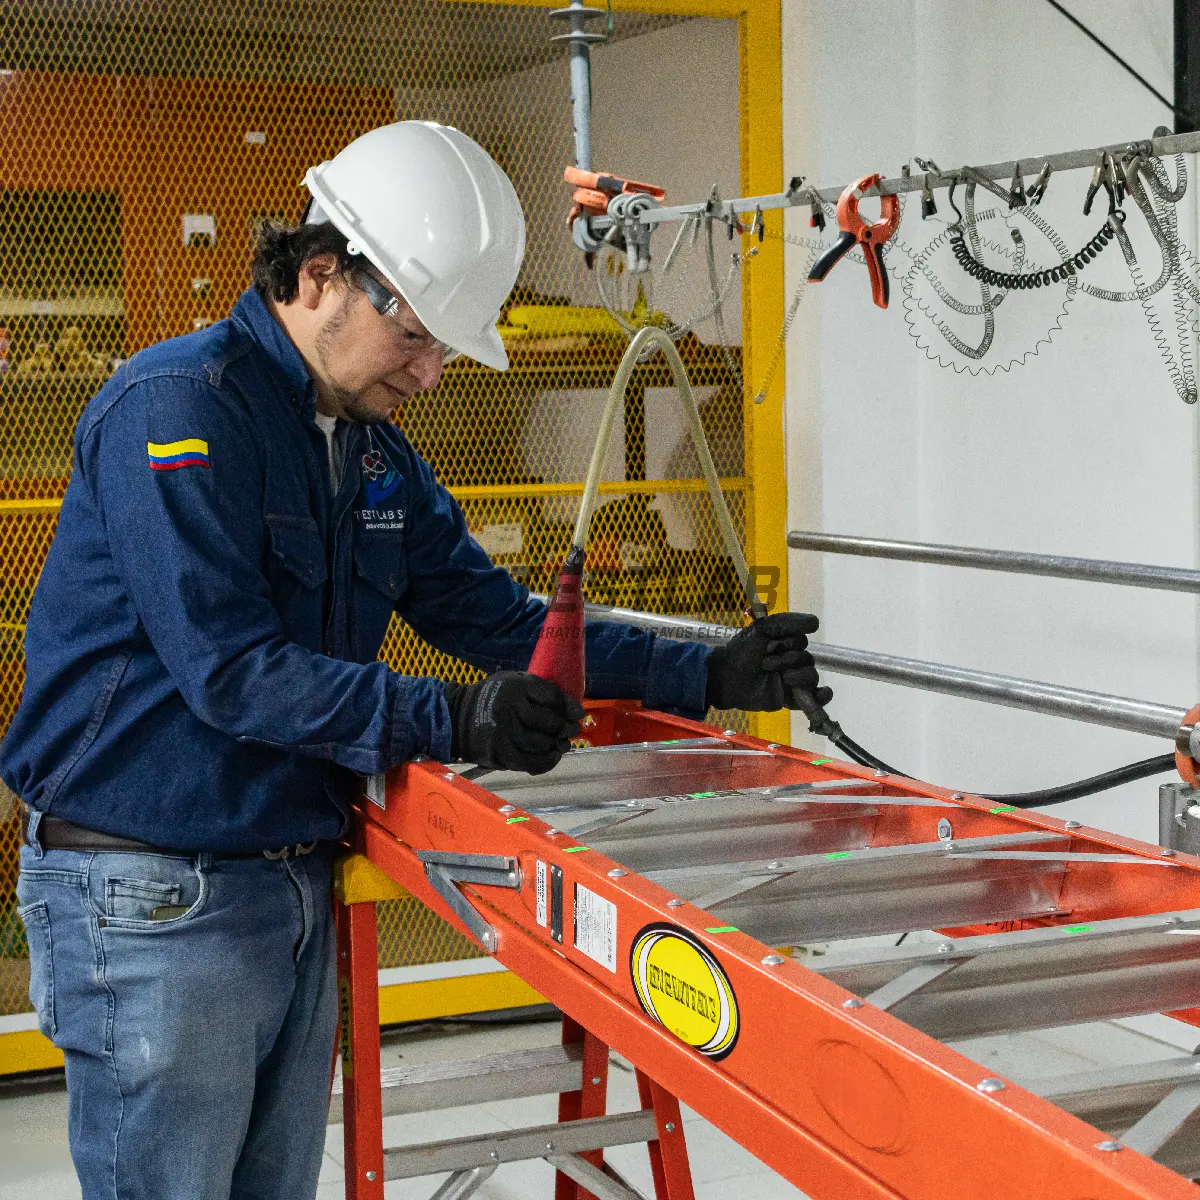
(594, 189)
(856, 232)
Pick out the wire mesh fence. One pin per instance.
(144, 142)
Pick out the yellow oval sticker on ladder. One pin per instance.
(683, 987)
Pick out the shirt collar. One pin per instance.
(252, 313)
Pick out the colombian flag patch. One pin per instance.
(170, 456)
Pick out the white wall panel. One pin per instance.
(1084, 450)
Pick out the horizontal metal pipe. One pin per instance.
(1175, 143)
(1052, 699)
(1168, 579)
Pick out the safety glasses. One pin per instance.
(387, 305)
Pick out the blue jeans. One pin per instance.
(199, 1037)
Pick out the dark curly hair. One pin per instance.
(280, 250)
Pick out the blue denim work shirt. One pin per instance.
(201, 650)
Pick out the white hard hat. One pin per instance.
(438, 217)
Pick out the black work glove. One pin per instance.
(512, 720)
(758, 669)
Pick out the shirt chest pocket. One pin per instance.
(297, 573)
(380, 581)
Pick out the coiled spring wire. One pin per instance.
(718, 293)
(1034, 279)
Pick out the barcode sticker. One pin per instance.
(543, 895)
(596, 927)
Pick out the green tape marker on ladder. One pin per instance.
(1003, 809)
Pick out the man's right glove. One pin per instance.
(513, 721)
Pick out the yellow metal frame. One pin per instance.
(765, 484)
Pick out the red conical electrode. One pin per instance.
(559, 653)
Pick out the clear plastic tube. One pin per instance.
(643, 341)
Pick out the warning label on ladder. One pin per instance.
(596, 927)
(543, 891)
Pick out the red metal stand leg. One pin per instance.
(358, 1005)
(668, 1154)
(590, 1101)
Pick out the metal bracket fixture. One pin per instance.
(445, 871)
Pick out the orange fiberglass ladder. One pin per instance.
(646, 887)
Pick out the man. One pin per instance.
(203, 693)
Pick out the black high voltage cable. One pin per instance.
(1179, 112)
(1055, 795)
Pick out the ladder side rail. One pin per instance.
(358, 1014)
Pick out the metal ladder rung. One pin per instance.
(874, 890)
(1116, 1099)
(1031, 979)
(511, 1075)
(630, 772)
(517, 1145)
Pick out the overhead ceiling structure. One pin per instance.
(372, 42)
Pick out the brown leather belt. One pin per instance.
(57, 833)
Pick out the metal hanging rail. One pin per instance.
(1058, 566)
(1050, 699)
(798, 194)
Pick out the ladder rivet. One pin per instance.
(552, 833)
(449, 775)
(616, 873)
(880, 774)
(772, 960)
(371, 1176)
(494, 1155)
(507, 808)
(595, 1080)
(990, 1085)
(775, 866)
(950, 847)
(674, 903)
(853, 1002)
(1073, 824)
(957, 796)
(670, 1126)
(945, 948)
(1167, 853)
(730, 732)
(773, 746)
(549, 1145)
(1108, 1144)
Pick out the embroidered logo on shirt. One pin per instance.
(171, 456)
(380, 478)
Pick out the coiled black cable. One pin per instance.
(1035, 279)
(1143, 769)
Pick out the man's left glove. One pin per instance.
(758, 669)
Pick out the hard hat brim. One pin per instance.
(488, 349)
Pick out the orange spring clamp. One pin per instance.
(594, 190)
(856, 232)
(1185, 764)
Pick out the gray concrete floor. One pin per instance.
(35, 1163)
